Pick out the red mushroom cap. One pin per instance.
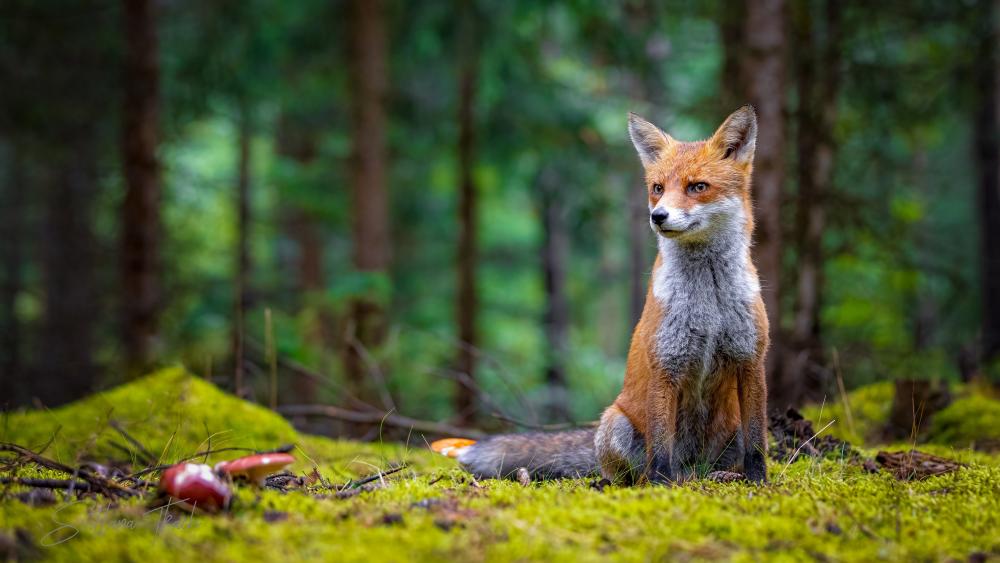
(196, 485)
(256, 467)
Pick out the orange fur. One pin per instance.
(737, 402)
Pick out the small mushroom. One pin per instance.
(255, 467)
(196, 486)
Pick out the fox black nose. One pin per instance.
(658, 216)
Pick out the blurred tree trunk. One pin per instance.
(296, 142)
(242, 273)
(555, 255)
(66, 370)
(914, 404)
(818, 52)
(988, 153)
(369, 84)
(141, 207)
(731, 24)
(12, 213)
(763, 77)
(468, 303)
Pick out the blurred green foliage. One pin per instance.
(555, 82)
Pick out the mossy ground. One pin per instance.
(432, 511)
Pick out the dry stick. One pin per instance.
(207, 439)
(391, 419)
(373, 477)
(97, 481)
(301, 370)
(148, 457)
(546, 427)
(497, 411)
(802, 445)
(374, 415)
(128, 451)
(501, 371)
(843, 392)
(67, 484)
(374, 371)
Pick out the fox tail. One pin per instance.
(546, 455)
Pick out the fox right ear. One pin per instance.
(649, 141)
(737, 136)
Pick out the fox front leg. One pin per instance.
(752, 388)
(661, 465)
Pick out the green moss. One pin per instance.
(433, 511)
(174, 415)
(869, 407)
(972, 421)
(815, 509)
(171, 412)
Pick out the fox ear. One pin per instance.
(649, 141)
(737, 136)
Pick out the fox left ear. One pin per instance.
(648, 139)
(737, 136)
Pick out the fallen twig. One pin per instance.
(300, 370)
(102, 484)
(373, 477)
(68, 484)
(389, 418)
(147, 457)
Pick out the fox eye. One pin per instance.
(697, 187)
(657, 189)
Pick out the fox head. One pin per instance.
(698, 190)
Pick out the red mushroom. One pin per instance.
(255, 467)
(197, 486)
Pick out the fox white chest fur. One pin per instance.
(707, 292)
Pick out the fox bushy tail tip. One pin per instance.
(451, 447)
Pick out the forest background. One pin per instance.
(433, 208)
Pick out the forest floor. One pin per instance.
(833, 507)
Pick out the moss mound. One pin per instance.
(970, 421)
(171, 412)
(174, 415)
(869, 407)
(814, 509)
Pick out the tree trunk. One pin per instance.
(66, 370)
(913, 405)
(141, 207)
(12, 213)
(818, 50)
(987, 145)
(242, 274)
(763, 74)
(467, 303)
(555, 254)
(296, 142)
(366, 327)
(731, 30)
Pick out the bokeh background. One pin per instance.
(434, 208)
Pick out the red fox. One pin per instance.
(694, 398)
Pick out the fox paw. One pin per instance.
(755, 468)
